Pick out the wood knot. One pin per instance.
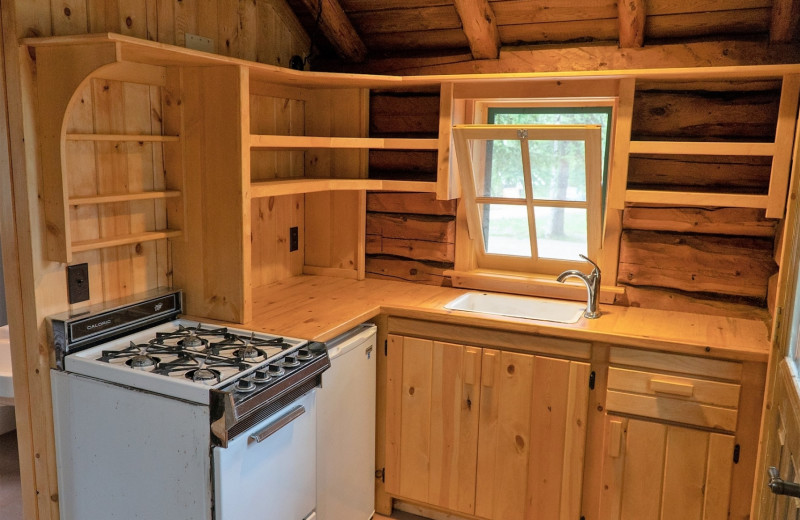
(411, 390)
(510, 369)
(67, 11)
(129, 21)
(520, 442)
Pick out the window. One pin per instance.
(532, 181)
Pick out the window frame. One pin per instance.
(589, 134)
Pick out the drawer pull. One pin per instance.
(471, 366)
(614, 439)
(487, 375)
(671, 387)
(778, 486)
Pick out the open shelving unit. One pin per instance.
(778, 150)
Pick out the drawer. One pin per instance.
(688, 400)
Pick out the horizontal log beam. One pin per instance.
(671, 300)
(416, 203)
(391, 268)
(559, 58)
(480, 26)
(411, 249)
(722, 221)
(709, 264)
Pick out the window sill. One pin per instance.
(529, 285)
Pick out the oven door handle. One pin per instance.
(282, 421)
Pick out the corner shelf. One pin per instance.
(304, 185)
(290, 142)
(100, 243)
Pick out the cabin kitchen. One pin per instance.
(410, 260)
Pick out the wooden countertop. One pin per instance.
(319, 308)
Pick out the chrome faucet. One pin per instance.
(592, 282)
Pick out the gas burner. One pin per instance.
(192, 340)
(204, 375)
(250, 354)
(143, 362)
(195, 338)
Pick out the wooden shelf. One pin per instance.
(699, 199)
(700, 148)
(300, 185)
(124, 137)
(100, 243)
(123, 197)
(288, 142)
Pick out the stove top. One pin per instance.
(185, 359)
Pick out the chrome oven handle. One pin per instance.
(282, 421)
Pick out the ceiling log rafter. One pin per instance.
(479, 24)
(631, 16)
(785, 21)
(336, 26)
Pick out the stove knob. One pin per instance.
(244, 385)
(290, 360)
(303, 352)
(274, 369)
(261, 374)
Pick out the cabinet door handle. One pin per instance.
(778, 486)
(614, 438)
(487, 375)
(662, 386)
(471, 367)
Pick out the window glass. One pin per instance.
(502, 177)
(505, 229)
(540, 115)
(558, 170)
(560, 232)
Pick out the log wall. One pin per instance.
(700, 258)
(410, 236)
(710, 260)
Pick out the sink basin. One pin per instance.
(519, 307)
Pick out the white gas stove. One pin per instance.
(144, 401)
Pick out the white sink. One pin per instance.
(519, 307)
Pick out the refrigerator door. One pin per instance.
(346, 429)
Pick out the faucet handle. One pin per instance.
(596, 267)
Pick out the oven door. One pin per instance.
(269, 471)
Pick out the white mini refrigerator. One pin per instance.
(346, 428)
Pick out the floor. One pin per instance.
(10, 491)
(398, 515)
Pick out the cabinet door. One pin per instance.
(657, 471)
(432, 422)
(532, 435)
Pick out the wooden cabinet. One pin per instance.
(657, 471)
(654, 468)
(490, 433)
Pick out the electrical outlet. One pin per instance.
(78, 283)
(294, 239)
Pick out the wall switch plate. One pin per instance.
(200, 43)
(78, 283)
(294, 239)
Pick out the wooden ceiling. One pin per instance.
(355, 29)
